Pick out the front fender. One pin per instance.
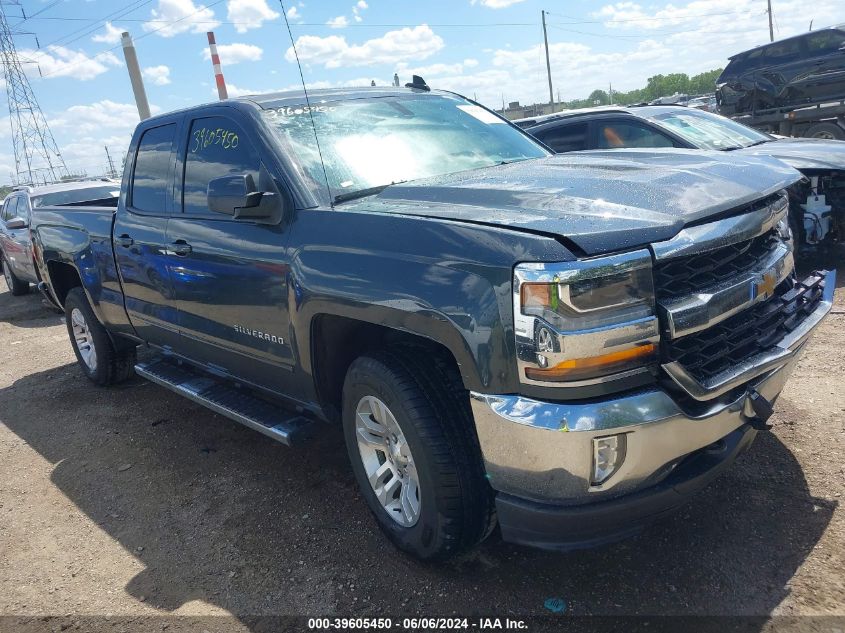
(442, 280)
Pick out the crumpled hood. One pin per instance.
(802, 153)
(601, 201)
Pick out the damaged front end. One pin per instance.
(817, 208)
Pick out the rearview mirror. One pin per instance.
(15, 223)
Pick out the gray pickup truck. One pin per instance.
(570, 346)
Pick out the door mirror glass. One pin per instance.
(228, 193)
(16, 223)
(237, 195)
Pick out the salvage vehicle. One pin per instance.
(570, 346)
(816, 203)
(794, 87)
(16, 255)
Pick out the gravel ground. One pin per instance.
(133, 502)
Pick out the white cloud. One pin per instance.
(250, 14)
(356, 10)
(180, 16)
(233, 91)
(294, 14)
(393, 47)
(339, 22)
(235, 53)
(105, 115)
(58, 61)
(110, 36)
(496, 4)
(159, 75)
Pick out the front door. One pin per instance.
(229, 276)
(139, 238)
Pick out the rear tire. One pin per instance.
(16, 286)
(98, 357)
(829, 131)
(436, 456)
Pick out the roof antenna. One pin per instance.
(307, 103)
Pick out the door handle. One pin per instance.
(124, 240)
(180, 247)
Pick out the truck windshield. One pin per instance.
(710, 131)
(71, 196)
(370, 143)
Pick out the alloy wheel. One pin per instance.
(388, 461)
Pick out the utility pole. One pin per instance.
(610, 93)
(135, 76)
(771, 28)
(548, 65)
(112, 171)
(33, 144)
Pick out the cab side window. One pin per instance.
(151, 178)
(217, 147)
(619, 134)
(565, 138)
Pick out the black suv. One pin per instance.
(807, 68)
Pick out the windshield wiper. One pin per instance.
(760, 142)
(362, 193)
(731, 148)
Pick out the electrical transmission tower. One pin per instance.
(37, 157)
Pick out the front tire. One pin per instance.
(410, 439)
(16, 286)
(98, 357)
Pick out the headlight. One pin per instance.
(585, 320)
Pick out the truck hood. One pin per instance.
(600, 201)
(802, 153)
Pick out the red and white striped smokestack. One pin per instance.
(218, 72)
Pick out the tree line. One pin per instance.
(656, 87)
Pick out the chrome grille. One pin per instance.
(724, 345)
(693, 273)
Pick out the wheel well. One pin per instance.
(63, 277)
(337, 341)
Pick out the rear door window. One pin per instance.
(151, 183)
(565, 138)
(783, 51)
(217, 147)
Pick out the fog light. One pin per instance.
(608, 455)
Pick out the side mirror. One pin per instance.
(229, 193)
(16, 223)
(237, 195)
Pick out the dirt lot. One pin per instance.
(133, 502)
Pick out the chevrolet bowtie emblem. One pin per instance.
(765, 286)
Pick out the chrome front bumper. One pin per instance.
(543, 451)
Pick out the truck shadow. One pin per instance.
(218, 513)
(27, 311)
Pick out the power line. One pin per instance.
(140, 37)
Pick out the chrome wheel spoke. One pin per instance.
(387, 460)
(409, 499)
(83, 339)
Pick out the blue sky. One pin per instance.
(491, 49)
